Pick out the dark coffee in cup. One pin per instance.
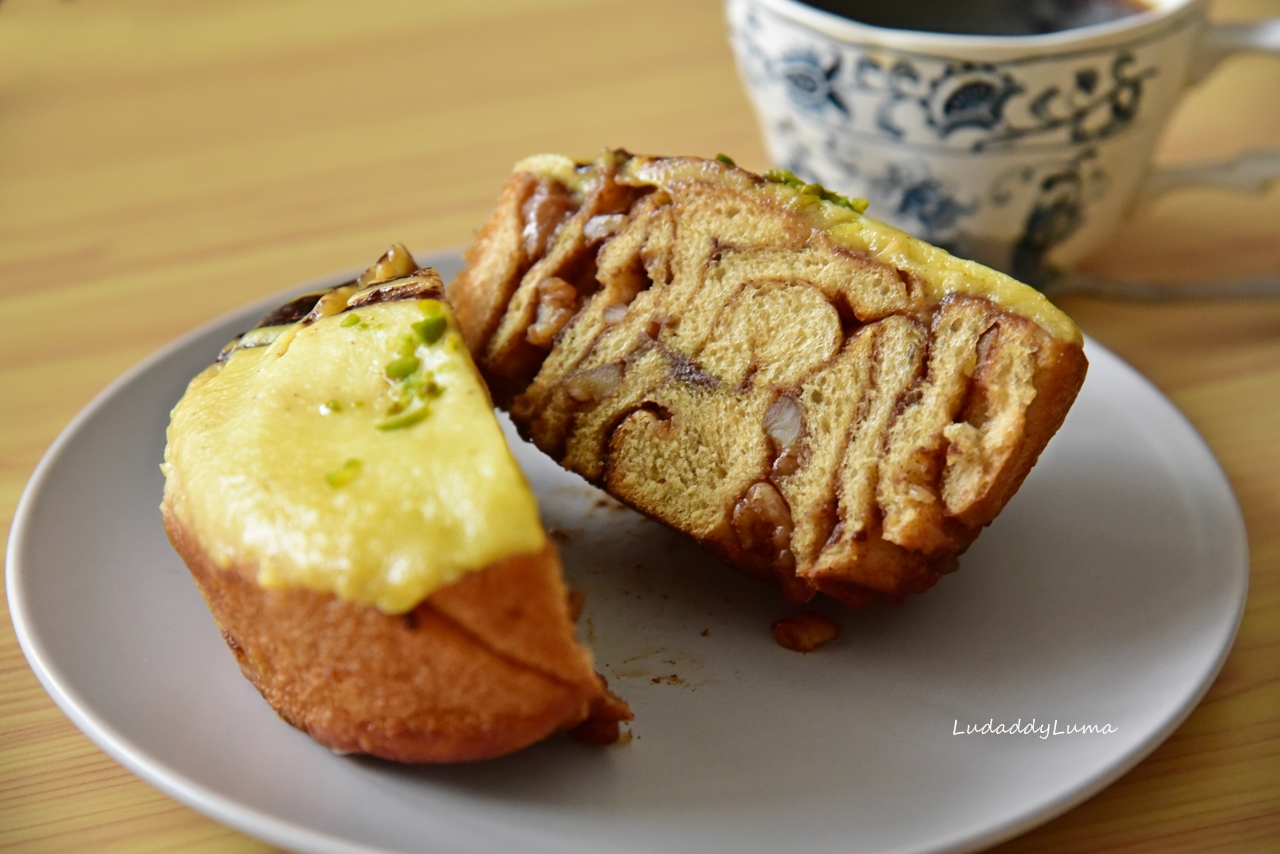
(982, 17)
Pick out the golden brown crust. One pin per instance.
(806, 412)
(496, 260)
(481, 668)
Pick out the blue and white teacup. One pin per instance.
(1023, 152)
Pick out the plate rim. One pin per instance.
(290, 834)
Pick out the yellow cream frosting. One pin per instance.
(356, 457)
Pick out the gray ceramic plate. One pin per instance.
(1107, 594)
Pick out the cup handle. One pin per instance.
(1223, 40)
(1251, 171)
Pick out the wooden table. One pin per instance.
(163, 163)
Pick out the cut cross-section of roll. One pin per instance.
(342, 493)
(816, 397)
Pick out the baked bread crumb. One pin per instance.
(813, 396)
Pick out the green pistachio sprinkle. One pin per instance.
(431, 329)
(407, 343)
(786, 176)
(350, 320)
(344, 475)
(330, 406)
(405, 418)
(402, 367)
(423, 386)
(726, 160)
(430, 307)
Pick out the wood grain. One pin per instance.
(162, 163)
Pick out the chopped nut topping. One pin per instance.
(344, 475)
(431, 329)
(292, 311)
(817, 191)
(395, 263)
(423, 285)
(402, 367)
(417, 411)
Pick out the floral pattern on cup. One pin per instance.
(808, 84)
(936, 102)
(966, 95)
(1023, 160)
(1062, 190)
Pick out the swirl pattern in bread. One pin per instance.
(814, 396)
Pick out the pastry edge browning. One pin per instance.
(479, 669)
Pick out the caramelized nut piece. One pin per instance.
(762, 521)
(395, 263)
(292, 311)
(595, 384)
(544, 212)
(787, 463)
(557, 304)
(615, 314)
(605, 225)
(783, 423)
(806, 631)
